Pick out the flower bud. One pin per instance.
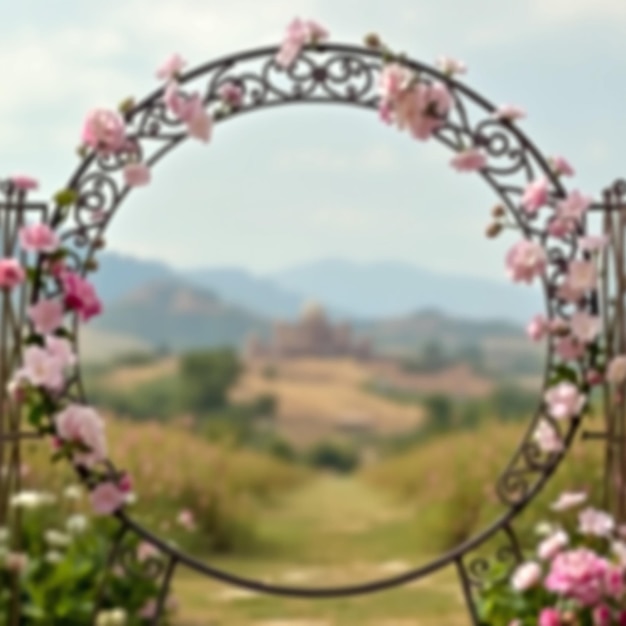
(372, 40)
(493, 230)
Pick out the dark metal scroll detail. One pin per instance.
(15, 211)
(612, 210)
(345, 75)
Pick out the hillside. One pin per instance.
(170, 313)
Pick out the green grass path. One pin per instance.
(332, 531)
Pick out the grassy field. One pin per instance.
(334, 531)
(280, 522)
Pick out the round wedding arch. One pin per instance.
(482, 137)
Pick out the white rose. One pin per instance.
(552, 545)
(527, 575)
(76, 524)
(57, 539)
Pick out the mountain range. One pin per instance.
(346, 289)
(150, 304)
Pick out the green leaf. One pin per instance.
(126, 106)
(36, 415)
(66, 197)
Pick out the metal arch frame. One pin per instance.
(340, 74)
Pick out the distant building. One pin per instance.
(311, 335)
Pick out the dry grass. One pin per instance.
(326, 395)
(129, 376)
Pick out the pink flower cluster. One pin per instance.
(189, 109)
(576, 576)
(416, 106)
(299, 34)
(48, 357)
(104, 131)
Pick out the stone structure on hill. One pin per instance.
(312, 335)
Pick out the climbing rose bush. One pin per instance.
(63, 553)
(576, 575)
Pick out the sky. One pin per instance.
(291, 185)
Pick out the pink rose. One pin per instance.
(200, 125)
(594, 522)
(299, 33)
(581, 277)
(125, 483)
(186, 519)
(24, 183)
(569, 348)
(509, 112)
(469, 160)
(602, 616)
(41, 369)
(614, 582)
(579, 575)
(82, 424)
(136, 174)
(46, 315)
(568, 500)
(538, 328)
(146, 551)
(80, 296)
(550, 617)
(395, 79)
(61, 350)
(593, 243)
(535, 195)
(594, 377)
(433, 103)
(616, 369)
(104, 131)
(584, 326)
(11, 273)
(574, 206)
(547, 437)
(189, 110)
(171, 68)
(564, 400)
(107, 498)
(559, 227)
(561, 166)
(525, 261)
(526, 575)
(231, 94)
(39, 238)
(450, 66)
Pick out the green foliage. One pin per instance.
(206, 377)
(66, 564)
(334, 456)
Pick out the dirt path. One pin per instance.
(334, 531)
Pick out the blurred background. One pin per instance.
(310, 358)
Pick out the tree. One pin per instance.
(440, 412)
(206, 378)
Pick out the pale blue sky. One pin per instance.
(283, 187)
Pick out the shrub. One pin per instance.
(62, 563)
